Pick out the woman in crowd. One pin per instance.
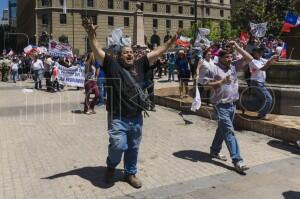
(183, 73)
(90, 85)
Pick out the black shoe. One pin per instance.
(109, 176)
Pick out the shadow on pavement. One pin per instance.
(195, 156)
(291, 195)
(284, 146)
(93, 174)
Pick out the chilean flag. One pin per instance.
(283, 51)
(290, 21)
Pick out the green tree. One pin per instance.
(271, 11)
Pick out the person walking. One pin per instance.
(37, 68)
(184, 74)
(223, 79)
(90, 85)
(14, 69)
(258, 67)
(125, 78)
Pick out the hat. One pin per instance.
(181, 51)
(49, 61)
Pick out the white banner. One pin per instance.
(57, 49)
(258, 30)
(73, 76)
(201, 39)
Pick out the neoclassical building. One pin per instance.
(37, 16)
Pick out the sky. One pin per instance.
(3, 5)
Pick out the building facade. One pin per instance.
(4, 19)
(38, 16)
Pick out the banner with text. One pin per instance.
(58, 49)
(73, 76)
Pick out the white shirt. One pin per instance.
(14, 66)
(38, 65)
(206, 65)
(255, 69)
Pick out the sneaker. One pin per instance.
(133, 181)
(240, 166)
(109, 175)
(218, 156)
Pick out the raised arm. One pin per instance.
(157, 52)
(90, 29)
(247, 57)
(271, 61)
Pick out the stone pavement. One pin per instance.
(46, 151)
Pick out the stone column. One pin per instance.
(138, 31)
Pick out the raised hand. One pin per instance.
(90, 29)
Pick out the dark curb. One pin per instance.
(260, 126)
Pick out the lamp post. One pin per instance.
(195, 18)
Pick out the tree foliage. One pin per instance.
(271, 11)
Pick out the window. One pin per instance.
(61, 2)
(221, 1)
(126, 5)
(63, 18)
(90, 3)
(94, 18)
(168, 9)
(110, 21)
(126, 21)
(222, 13)
(192, 10)
(155, 23)
(110, 4)
(207, 11)
(45, 2)
(207, 1)
(45, 19)
(63, 39)
(154, 7)
(180, 11)
(180, 24)
(168, 23)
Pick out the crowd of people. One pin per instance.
(213, 68)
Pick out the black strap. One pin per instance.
(136, 85)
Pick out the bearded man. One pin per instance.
(124, 115)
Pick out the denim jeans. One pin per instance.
(261, 96)
(125, 135)
(14, 75)
(38, 76)
(225, 131)
(102, 90)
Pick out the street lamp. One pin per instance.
(195, 18)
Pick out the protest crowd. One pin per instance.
(211, 66)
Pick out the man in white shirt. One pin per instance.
(38, 69)
(258, 67)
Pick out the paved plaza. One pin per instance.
(48, 150)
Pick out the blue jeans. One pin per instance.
(14, 75)
(262, 96)
(225, 131)
(125, 135)
(38, 76)
(102, 90)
